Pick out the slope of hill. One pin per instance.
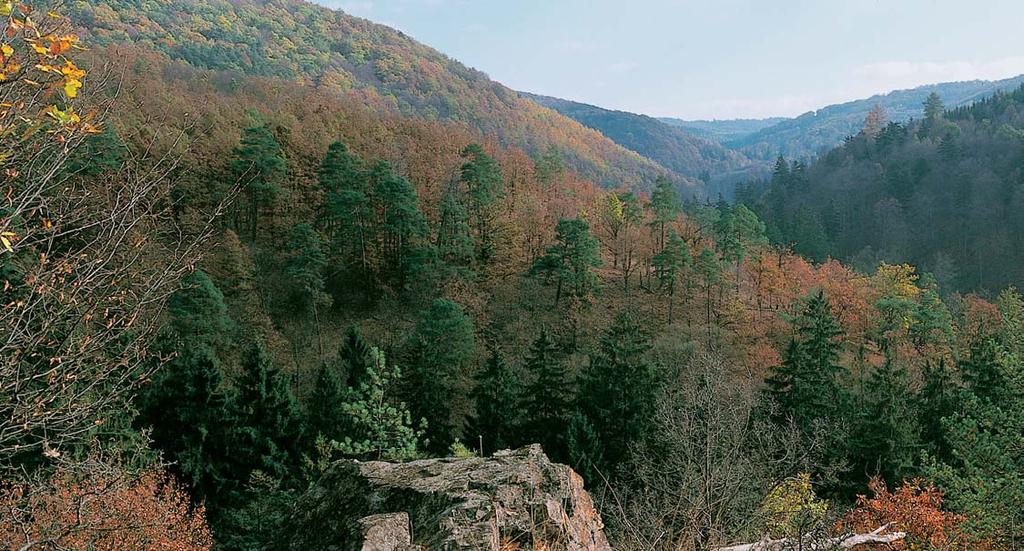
(814, 132)
(957, 176)
(304, 43)
(723, 130)
(671, 146)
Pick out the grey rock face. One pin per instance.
(514, 500)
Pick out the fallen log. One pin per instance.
(809, 543)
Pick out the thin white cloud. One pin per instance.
(894, 75)
(743, 108)
(621, 67)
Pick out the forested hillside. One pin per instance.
(309, 45)
(805, 137)
(722, 131)
(217, 284)
(956, 173)
(671, 146)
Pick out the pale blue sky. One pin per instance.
(715, 58)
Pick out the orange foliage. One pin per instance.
(102, 509)
(915, 508)
(977, 319)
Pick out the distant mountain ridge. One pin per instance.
(671, 146)
(815, 132)
(301, 42)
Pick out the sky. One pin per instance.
(713, 59)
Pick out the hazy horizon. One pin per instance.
(733, 59)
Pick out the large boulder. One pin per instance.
(513, 500)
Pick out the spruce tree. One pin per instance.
(271, 423)
(937, 401)
(354, 357)
(806, 387)
(981, 473)
(441, 356)
(618, 387)
(325, 412)
(547, 399)
(888, 441)
(192, 417)
(497, 397)
(187, 405)
(585, 450)
(198, 316)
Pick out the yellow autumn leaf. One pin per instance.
(7, 50)
(7, 242)
(6, 8)
(71, 87)
(72, 70)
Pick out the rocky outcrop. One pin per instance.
(513, 500)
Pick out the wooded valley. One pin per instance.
(242, 241)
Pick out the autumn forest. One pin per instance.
(243, 242)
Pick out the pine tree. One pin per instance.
(347, 213)
(271, 423)
(496, 394)
(382, 427)
(547, 397)
(484, 188)
(259, 162)
(665, 206)
(571, 260)
(670, 264)
(549, 167)
(616, 393)
(933, 107)
(454, 235)
(402, 228)
(441, 361)
(305, 262)
(709, 269)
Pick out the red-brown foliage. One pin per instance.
(102, 509)
(914, 508)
